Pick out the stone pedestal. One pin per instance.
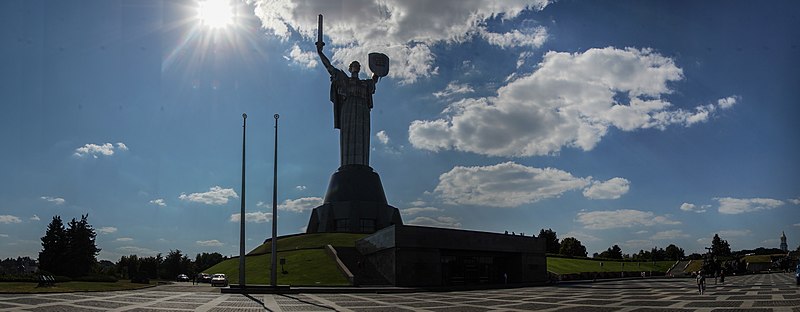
(354, 203)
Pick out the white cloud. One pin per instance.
(733, 233)
(209, 243)
(55, 200)
(504, 185)
(770, 242)
(123, 239)
(570, 100)
(583, 237)
(418, 203)
(729, 205)
(253, 217)
(671, 234)
(640, 244)
(382, 137)
(134, 250)
(404, 30)
(796, 224)
(623, 218)
(3, 235)
(727, 102)
(300, 187)
(159, 202)
(8, 219)
(693, 208)
(531, 37)
(415, 210)
(795, 201)
(453, 88)
(301, 204)
(215, 196)
(611, 189)
(95, 150)
(35, 218)
(306, 59)
(448, 222)
(107, 230)
(641, 232)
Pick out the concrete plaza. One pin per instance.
(764, 292)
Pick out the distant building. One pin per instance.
(784, 246)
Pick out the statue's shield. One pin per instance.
(379, 64)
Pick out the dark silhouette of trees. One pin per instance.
(674, 252)
(551, 240)
(54, 248)
(571, 246)
(70, 252)
(720, 247)
(613, 252)
(206, 260)
(176, 263)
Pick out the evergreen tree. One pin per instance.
(551, 240)
(206, 260)
(54, 248)
(571, 246)
(674, 252)
(720, 247)
(613, 252)
(81, 255)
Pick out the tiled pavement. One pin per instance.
(756, 293)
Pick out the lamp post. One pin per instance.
(273, 276)
(241, 213)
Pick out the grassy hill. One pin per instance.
(307, 264)
(570, 266)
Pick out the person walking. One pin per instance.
(701, 282)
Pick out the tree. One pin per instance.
(674, 252)
(54, 248)
(81, 255)
(551, 240)
(175, 263)
(613, 252)
(571, 246)
(720, 247)
(206, 260)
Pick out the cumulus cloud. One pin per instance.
(382, 137)
(8, 219)
(728, 205)
(300, 187)
(253, 217)
(35, 218)
(95, 150)
(611, 189)
(134, 250)
(159, 202)
(123, 239)
(215, 196)
(570, 100)
(623, 218)
(106, 230)
(454, 88)
(448, 222)
(403, 30)
(3, 235)
(795, 201)
(671, 234)
(54, 200)
(209, 243)
(301, 204)
(415, 210)
(693, 208)
(306, 59)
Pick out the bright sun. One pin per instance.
(215, 13)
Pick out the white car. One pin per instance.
(219, 279)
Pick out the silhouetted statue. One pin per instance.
(352, 102)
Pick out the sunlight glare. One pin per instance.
(215, 13)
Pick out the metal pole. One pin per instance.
(273, 277)
(241, 213)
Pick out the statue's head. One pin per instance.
(355, 67)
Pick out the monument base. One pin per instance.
(354, 203)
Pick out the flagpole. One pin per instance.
(273, 278)
(241, 213)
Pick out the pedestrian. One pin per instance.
(701, 282)
(505, 278)
(722, 277)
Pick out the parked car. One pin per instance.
(219, 279)
(182, 278)
(204, 278)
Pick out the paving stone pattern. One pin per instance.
(752, 293)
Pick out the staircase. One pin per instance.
(677, 269)
(364, 274)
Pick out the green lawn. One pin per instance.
(20, 287)
(308, 267)
(568, 266)
(305, 241)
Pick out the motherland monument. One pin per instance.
(355, 201)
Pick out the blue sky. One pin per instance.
(637, 123)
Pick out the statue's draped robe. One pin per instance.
(352, 99)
